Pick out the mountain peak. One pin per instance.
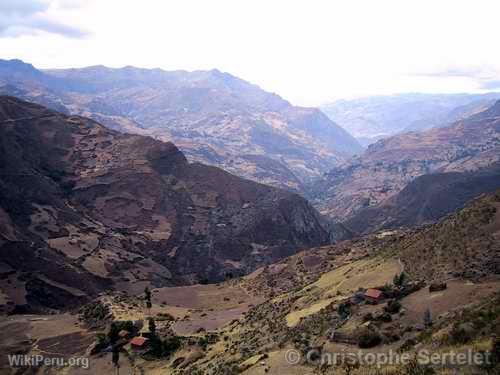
(17, 66)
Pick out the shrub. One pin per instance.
(126, 325)
(399, 280)
(344, 310)
(164, 348)
(369, 339)
(101, 343)
(367, 317)
(385, 317)
(113, 333)
(427, 318)
(415, 368)
(393, 307)
(164, 316)
(462, 333)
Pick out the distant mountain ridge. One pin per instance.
(426, 199)
(375, 117)
(84, 208)
(389, 165)
(214, 117)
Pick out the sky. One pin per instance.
(308, 51)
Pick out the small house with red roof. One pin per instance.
(139, 343)
(373, 296)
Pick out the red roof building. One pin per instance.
(139, 342)
(373, 295)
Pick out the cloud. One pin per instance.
(485, 77)
(29, 17)
(70, 4)
(491, 85)
(452, 72)
(22, 7)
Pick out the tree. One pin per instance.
(147, 297)
(427, 318)
(152, 326)
(116, 358)
(344, 310)
(399, 280)
(113, 333)
(156, 346)
(393, 306)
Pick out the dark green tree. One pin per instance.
(147, 297)
(399, 280)
(152, 326)
(116, 358)
(113, 333)
(427, 318)
(344, 310)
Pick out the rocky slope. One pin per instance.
(313, 294)
(387, 166)
(426, 199)
(373, 118)
(213, 117)
(84, 208)
(464, 244)
(462, 249)
(308, 304)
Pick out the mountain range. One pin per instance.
(390, 164)
(372, 118)
(213, 117)
(129, 236)
(426, 199)
(85, 208)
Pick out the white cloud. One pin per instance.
(308, 51)
(29, 17)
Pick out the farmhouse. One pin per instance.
(139, 343)
(373, 296)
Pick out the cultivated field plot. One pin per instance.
(202, 307)
(341, 282)
(458, 294)
(56, 336)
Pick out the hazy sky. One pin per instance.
(307, 51)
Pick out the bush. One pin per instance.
(407, 345)
(399, 280)
(95, 313)
(367, 317)
(101, 343)
(126, 325)
(415, 368)
(164, 348)
(171, 344)
(344, 310)
(369, 339)
(385, 317)
(393, 307)
(164, 317)
(462, 333)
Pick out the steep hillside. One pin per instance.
(426, 199)
(214, 117)
(387, 166)
(282, 317)
(84, 208)
(370, 118)
(465, 244)
(321, 310)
